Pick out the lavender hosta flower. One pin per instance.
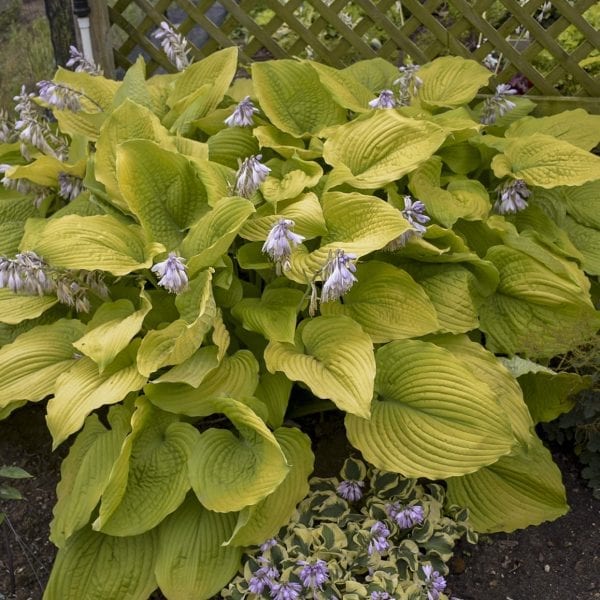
(406, 517)
(386, 99)
(172, 273)
(263, 578)
(414, 213)
(313, 576)
(280, 243)
(380, 596)
(69, 186)
(59, 96)
(7, 128)
(338, 273)
(80, 63)
(498, 105)
(435, 584)
(27, 273)
(268, 544)
(288, 590)
(351, 490)
(174, 45)
(512, 197)
(250, 176)
(379, 538)
(243, 115)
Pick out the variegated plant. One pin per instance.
(200, 257)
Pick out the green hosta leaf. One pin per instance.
(127, 122)
(257, 523)
(153, 457)
(31, 364)
(161, 188)
(192, 563)
(334, 357)
(289, 178)
(387, 304)
(14, 473)
(44, 170)
(15, 309)
(582, 202)
(294, 99)
(451, 81)
(462, 158)
(536, 309)
(587, 241)
(212, 235)
(236, 376)
(100, 242)
(229, 471)
(509, 494)
(134, 87)
(14, 211)
(274, 390)
(111, 329)
(82, 389)
(432, 418)
(7, 410)
(179, 340)
(85, 473)
(231, 145)
(546, 162)
(273, 314)
(381, 147)
(193, 370)
(574, 126)
(95, 566)
(285, 144)
(100, 90)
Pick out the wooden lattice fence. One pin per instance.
(555, 46)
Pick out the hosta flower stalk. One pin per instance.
(172, 273)
(174, 45)
(498, 105)
(512, 197)
(280, 242)
(250, 176)
(243, 114)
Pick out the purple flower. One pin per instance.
(80, 63)
(414, 213)
(338, 275)
(243, 114)
(351, 490)
(434, 582)
(313, 576)
(406, 517)
(69, 186)
(380, 596)
(268, 544)
(279, 244)
(174, 45)
(379, 542)
(250, 175)
(286, 591)
(59, 96)
(263, 578)
(172, 273)
(385, 99)
(498, 105)
(512, 197)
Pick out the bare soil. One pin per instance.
(555, 561)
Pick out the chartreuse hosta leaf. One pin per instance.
(95, 566)
(153, 457)
(334, 357)
(387, 303)
(292, 96)
(546, 162)
(536, 309)
(376, 74)
(13, 214)
(289, 178)
(577, 127)
(127, 122)
(380, 147)
(582, 203)
(179, 340)
(273, 314)
(229, 472)
(431, 417)
(235, 376)
(15, 308)
(193, 370)
(262, 521)
(519, 490)
(82, 389)
(274, 391)
(30, 365)
(587, 241)
(99, 242)
(44, 170)
(111, 329)
(161, 188)
(287, 145)
(212, 235)
(232, 144)
(451, 81)
(85, 472)
(192, 562)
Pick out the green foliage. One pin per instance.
(8, 492)
(194, 304)
(329, 548)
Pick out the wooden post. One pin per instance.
(62, 29)
(101, 39)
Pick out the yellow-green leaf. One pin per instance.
(16, 308)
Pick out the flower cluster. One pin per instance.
(338, 275)
(7, 128)
(498, 105)
(243, 115)
(414, 213)
(351, 490)
(386, 99)
(512, 197)
(172, 273)
(406, 517)
(80, 64)
(174, 45)
(280, 243)
(29, 274)
(435, 584)
(59, 96)
(69, 186)
(250, 176)
(379, 538)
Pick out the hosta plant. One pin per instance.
(374, 534)
(188, 259)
